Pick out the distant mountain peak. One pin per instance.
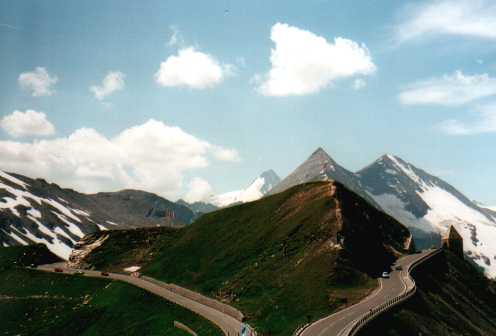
(259, 187)
(271, 174)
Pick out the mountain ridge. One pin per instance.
(426, 204)
(36, 211)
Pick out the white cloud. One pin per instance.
(449, 90)
(193, 69)
(198, 190)
(359, 84)
(304, 63)
(30, 123)
(113, 81)
(152, 156)
(39, 82)
(469, 18)
(484, 122)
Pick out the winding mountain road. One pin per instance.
(345, 322)
(228, 324)
(342, 323)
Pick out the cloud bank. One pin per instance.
(152, 156)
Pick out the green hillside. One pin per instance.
(287, 258)
(453, 299)
(38, 303)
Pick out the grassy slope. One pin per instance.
(271, 258)
(453, 299)
(38, 303)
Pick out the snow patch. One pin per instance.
(13, 179)
(396, 208)
(34, 213)
(132, 269)
(17, 238)
(80, 212)
(101, 227)
(250, 194)
(64, 210)
(391, 171)
(477, 230)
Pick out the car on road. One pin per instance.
(105, 274)
(385, 275)
(399, 268)
(58, 270)
(79, 273)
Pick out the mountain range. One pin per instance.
(35, 211)
(424, 203)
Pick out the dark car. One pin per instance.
(104, 274)
(399, 268)
(58, 270)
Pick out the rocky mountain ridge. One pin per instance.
(35, 211)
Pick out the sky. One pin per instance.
(192, 98)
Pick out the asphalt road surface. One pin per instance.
(229, 325)
(399, 283)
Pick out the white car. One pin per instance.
(385, 275)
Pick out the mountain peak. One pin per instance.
(256, 190)
(270, 175)
(389, 158)
(321, 154)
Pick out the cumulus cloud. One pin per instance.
(304, 63)
(469, 18)
(198, 190)
(39, 82)
(30, 123)
(484, 122)
(152, 156)
(112, 82)
(359, 83)
(449, 90)
(192, 68)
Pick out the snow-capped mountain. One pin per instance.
(429, 205)
(34, 211)
(321, 167)
(424, 203)
(256, 190)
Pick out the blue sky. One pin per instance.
(428, 94)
